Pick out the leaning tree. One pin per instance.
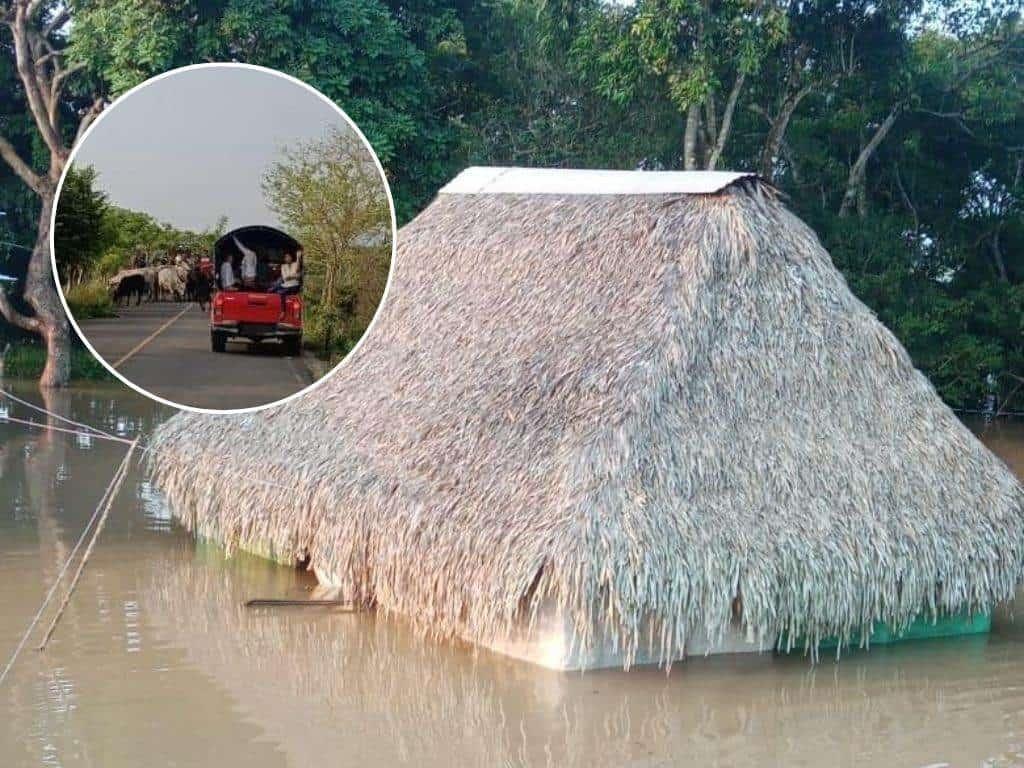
(37, 40)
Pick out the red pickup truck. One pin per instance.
(251, 311)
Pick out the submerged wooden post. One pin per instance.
(298, 603)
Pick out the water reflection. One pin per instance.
(315, 681)
(158, 663)
(1005, 438)
(104, 693)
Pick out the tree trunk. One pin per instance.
(726, 129)
(858, 171)
(997, 257)
(39, 45)
(690, 137)
(41, 295)
(777, 132)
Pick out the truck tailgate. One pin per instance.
(251, 307)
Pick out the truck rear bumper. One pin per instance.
(256, 330)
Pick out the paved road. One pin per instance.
(164, 347)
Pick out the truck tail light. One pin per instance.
(293, 311)
(218, 308)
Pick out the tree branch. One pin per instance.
(859, 168)
(14, 317)
(20, 167)
(906, 198)
(26, 71)
(777, 131)
(982, 63)
(98, 105)
(956, 117)
(63, 17)
(59, 82)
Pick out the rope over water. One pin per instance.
(117, 480)
(57, 416)
(86, 430)
(96, 521)
(104, 505)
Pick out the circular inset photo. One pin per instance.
(222, 237)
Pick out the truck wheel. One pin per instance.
(218, 341)
(293, 345)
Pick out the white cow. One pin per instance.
(170, 282)
(152, 275)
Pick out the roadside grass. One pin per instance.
(333, 351)
(330, 336)
(26, 361)
(90, 299)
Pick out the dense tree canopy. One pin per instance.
(358, 52)
(896, 128)
(79, 237)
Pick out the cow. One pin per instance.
(197, 287)
(191, 284)
(170, 283)
(152, 281)
(128, 286)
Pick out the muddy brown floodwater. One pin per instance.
(157, 664)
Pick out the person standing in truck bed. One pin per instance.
(228, 281)
(249, 264)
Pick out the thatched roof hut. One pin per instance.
(641, 412)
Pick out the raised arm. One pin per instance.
(245, 251)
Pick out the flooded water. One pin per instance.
(156, 662)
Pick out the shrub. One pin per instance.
(111, 263)
(90, 299)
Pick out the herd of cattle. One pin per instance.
(183, 281)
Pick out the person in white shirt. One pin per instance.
(228, 281)
(290, 280)
(248, 264)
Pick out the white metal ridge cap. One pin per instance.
(496, 180)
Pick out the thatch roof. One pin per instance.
(649, 409)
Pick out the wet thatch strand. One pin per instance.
(635, 407)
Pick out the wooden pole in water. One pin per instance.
(119, 476)
(267, 602)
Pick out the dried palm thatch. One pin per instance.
(659, 413)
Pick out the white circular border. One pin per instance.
(69, 163)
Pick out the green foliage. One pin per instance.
(111, 262)
(358, 52)
(126, 42)
(330, 195)
(90, 299)
(690, 46)
(532, 107)
(934, 242)
(79, 236)
(132, 232)
(26, 361)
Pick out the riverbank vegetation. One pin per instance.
(895, 129)
(26, 360)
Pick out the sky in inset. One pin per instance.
(196, 144)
